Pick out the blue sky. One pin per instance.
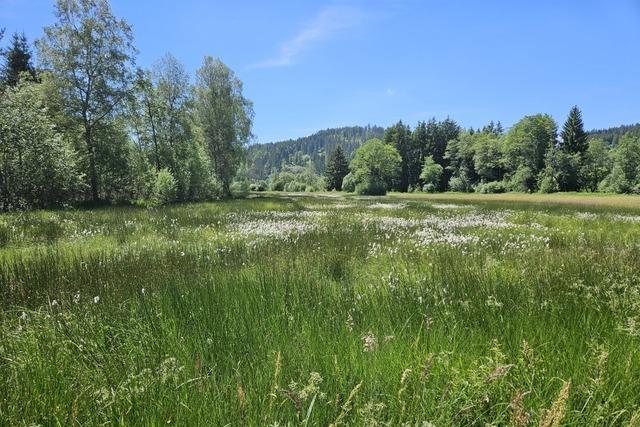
(311, 65)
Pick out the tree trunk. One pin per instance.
(93, 174)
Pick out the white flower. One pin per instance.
(369, 342)
(23, 316)
(76, 298)
(96, 299)
(142, 291)
(54, 303)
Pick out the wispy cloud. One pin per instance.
(390, 92)
(330, 23)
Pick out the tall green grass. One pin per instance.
(124, 316)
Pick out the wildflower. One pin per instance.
(350, 323)
(370, 343)
(96, 299)
(54, 303)
(23, 316)
(142, 291)
(388, 338)
(76, 298)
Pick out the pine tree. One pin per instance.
(574, 138)
(17, 60)
(337, 169)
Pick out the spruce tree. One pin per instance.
(337, 169)
(17, 59)
(574, 138)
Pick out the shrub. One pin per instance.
(371, 188)
(616, 181)
(164, 188)
(459, 184)
(349, 183)
(258, 186)
(295, 186)
(522, 180)
(239, 187)
(493, 187)
(429, 188)
(548, 185)
(431, 172)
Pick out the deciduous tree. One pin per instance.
(91, 52)
(225, 117)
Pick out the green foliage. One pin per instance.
(611, 136)
(494, 187)
(460, 184)
(225, 117)
(431, 172)
(561, 172)
(596, 164)
(268, 158)
(399, 136)
(89, 52)
(258, 186)
(625, 174)
(487, 155)
(523, 180)
(164, 188)
(526, 144)
(375, 165)
(38, 168)
(337, 169)
(17, 60)
(574, 138)
(297, 178)
(371, 188)
(349, 183)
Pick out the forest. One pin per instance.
(85, 125)
(534, 155)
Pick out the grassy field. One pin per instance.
(319, 310)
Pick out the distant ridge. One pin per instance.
(612, 135)
(265, 158)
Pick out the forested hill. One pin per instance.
(264, 158)
(611, 135)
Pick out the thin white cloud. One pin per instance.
(331, 22)
(390, 92)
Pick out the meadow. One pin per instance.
(324, 310)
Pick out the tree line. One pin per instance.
(86, 125)
(532, 156)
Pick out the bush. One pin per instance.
(349, 183)
(258, 186)
(371, 188)
(239, 187)
(493, 187)
(431, 172)
(459, 184)
(548, 185)
(164, 188)
(616, 182)
(429, 188)
(522, 180)
(295, 187)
